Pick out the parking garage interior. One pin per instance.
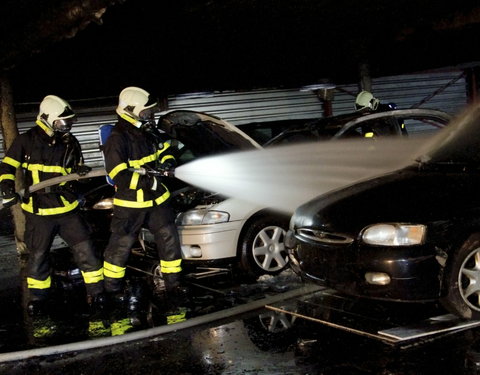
(274, 70)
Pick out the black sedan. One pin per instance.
(411, 235)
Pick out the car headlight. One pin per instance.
(202, 216)
(395, 234)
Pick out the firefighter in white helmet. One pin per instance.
(366, 101)
(141, 200)
(45, 151)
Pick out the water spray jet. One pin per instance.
(285, 177)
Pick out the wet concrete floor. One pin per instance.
(260, 341)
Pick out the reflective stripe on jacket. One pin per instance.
(129, 148)
(41, 157)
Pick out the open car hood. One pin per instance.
(204, 134)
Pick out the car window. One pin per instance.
(411, 122)
(421, 126)
(263, 132)
(378, 127)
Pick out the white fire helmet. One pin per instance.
(365, 99)
(56, 114)
(136, 105)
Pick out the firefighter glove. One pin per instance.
(10, 199)
(82, 170)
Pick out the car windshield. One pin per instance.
(320, 129)
(198, 134)
(458, 143)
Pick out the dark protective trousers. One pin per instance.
(125, 227)
(39, 234)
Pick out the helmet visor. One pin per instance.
(64, 125)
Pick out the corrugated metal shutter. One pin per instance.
(289, 104)
(253, 106)
(407, 91)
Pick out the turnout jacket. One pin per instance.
(42, 157)
(129, 148)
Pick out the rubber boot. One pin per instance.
(37, 308)
(98, 324)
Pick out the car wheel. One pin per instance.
(262, 246)
(463, 280)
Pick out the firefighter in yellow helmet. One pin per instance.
(45, 151)
(140, 200)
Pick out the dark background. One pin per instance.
(172, 47)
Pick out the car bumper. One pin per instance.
(210, 242)
(414, 272)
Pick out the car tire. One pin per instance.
(262, 248)
(463, 280)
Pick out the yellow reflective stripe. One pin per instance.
(369, 135)
(46, 168)
(131, 120)
(8, 160)
(39, 284)
(163, 197)
(134, 180)
(147, 159)
(166, 157)
(7, 177)
(28, 206)
(117, 170)
(181, 316)
(171, 266)
(36, 168)
(92, 277)
(45, 128)
(165, 146)
(35, 177)
(58, 210)
(96, 328)
(140, 196)
(132, 204)
(120, 327)
(113, 271)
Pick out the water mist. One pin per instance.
(284, 177)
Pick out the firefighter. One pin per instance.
(45, 151)
(141, 200)
(365, 101)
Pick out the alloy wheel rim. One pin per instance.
(268, 249)
(469, 280)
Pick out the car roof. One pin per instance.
(412, 113)
(336, 126)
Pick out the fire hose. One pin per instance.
(58, 180)
(93, 173)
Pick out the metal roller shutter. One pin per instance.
(289, 104)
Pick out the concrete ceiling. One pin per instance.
(195, 45)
